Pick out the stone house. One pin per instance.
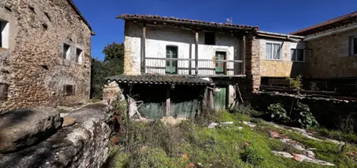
(45, 48)
(281, 56)
(232, 58)
(332, 64)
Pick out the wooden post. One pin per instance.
(168, 102)
(190, 61)
(244, 54)
(143, 48)
(196, 52)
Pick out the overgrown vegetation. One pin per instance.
(112, 65)
(192, 144)
(278, 113)
(299, 116)
(296, 83)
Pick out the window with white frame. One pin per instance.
(273, 51)
(4, 34)
(353, 46)
(66, 51)
(297, 55)
(79, 55)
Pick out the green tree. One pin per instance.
(112, 65)
(114, 59)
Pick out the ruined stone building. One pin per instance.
(45, 48)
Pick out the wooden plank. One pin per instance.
(168, 102)
(196, 52)
(143, 48)
(244, 54)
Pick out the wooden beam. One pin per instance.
(143, 48)
(244, 54)
(168, 101)
(196, 52)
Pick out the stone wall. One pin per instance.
(33, 65)
(330, 56)
(331, 113)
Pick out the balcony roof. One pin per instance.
(186, 22)
(159, 79)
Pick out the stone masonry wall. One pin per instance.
(330, 56)
(33, 66)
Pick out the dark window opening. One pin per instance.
(171, 59)
(220, 62)
(69, 90)
(79, 55)
(66, 51)
(210, 38)
(354, 46)
(297, 55)
(4, 34)
(4, 88)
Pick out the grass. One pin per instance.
(191, 145)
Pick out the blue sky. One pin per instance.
(282, 16)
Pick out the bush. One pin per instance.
(303, 116)
(251, 156)
(278, 113)
(296, 83)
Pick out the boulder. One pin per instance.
(83, 145)
(23, 128)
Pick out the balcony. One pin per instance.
(204, 68)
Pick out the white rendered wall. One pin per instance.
(157, 38)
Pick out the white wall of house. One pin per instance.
(158, 37)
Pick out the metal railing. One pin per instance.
(205, 67)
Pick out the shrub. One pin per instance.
(278, 113)
(296, 83)
(303, 116)
(251, 156)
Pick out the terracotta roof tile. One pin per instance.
(159, 79)
(335, 22)
(190, 22)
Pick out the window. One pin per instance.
(68, 90)
(171, 62)
(297, 55)
(4, 88)
(220, 64)
(353, 46)
(210, 38)
(79, 55)
(4, 34)
(66, 51)
(273, 51)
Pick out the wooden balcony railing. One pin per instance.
(204, 68)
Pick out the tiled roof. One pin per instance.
(336, 22)
(188, 22)
(159, 79)
(80, 15)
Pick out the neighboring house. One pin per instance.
(281, 56)
(332, 64)
(45, 51)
